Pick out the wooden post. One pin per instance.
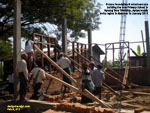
(48, 47)
(113, 53)
(126, 73)
(64, 35)
(55, 51)
(41, 47)
(128, 55)
(148, 51)
(56, 66)
(81, 49)
(17, 42)
(85, 51)
(82, 56)
(90, 43)
(73, 56)
(105, 54)
(120, 54)
(78, 52)
(143, 42)
(34, 61)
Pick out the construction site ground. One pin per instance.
(134, 99)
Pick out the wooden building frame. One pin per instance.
(111, 46)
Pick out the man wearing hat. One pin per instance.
(98, 77)
(91, 68)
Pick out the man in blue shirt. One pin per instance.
(98, 77)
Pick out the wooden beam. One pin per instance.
(85, 92)
(43, 102)
(64, 35)
(90, 43)
(71, 59)
(82, 56)
(73, 55)
(111, 89)
(49, 83)
(78, 51)
(135, 93)
(114, 72)
(56, 66)
(127, 105)
(126, 73)
(16, 43)
(113, 77)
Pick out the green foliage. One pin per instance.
(5, 49)
(80, 14)
(138, 50)
(1, 71)
(117, 63)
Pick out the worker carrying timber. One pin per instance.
(65, 63)
(22, 75)
(30, 53)
(38, 76)
(97, 78)
(86, 82)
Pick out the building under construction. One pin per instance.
(125, 88)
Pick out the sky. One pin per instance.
(110, 28)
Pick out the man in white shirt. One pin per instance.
(38, 76)
(65, 63)
(98, 77)
(22, 74)
(30, 52)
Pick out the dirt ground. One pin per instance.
(130, 99)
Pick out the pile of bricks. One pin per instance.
(79, 108)
(55, 98)
(66, 106)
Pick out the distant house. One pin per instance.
(97, 51)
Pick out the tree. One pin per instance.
(138, 50)
(5, 49)
(81, 14)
